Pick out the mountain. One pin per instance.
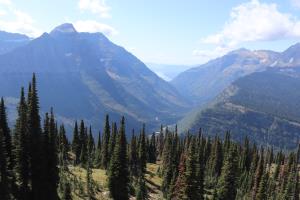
(167, 71)
(85, 76)
(264, 106)
(203, 83)
(10, 41)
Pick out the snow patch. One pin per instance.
(113, 75)
(274, 63)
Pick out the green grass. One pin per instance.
(100, 179)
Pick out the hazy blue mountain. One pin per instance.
(167, 71)
(203, 83)
(265, 106)
(10, 41)
(85, 76)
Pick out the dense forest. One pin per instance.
(38, 162)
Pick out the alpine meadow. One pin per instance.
(149, 100)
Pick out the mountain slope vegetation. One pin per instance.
(263, 106)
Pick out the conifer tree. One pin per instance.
(216, 158)
(118, 180)
(227, 182)
(45, 151)
(152, 149)
(167, 170)
(141, 193)
(200, 168)
(142, 152)
(298, 153)
(112, 140)
(36, 159)
(258, 174)
(133, 156)
(245, 163)
(192, 187)
(89, 180)
(263, 187)
(83, 137)
(52, 160)
(179, 190)
(105, 143)
(21, 150)
(67, 192)
(91, 145)
(76, 146)
(98, 151)
(4, 169)
(62, 146)
(6, 133)
(160, 142)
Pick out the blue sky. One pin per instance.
(165, 31)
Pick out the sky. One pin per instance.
(179, 32)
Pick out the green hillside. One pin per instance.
(264, 106)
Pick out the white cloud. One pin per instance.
(5, 2)
(21, 23)
(2, 13)
(98, 7)
(16, 21)
(94, 26)
(206, 55)
(296, 3)
(254, 21)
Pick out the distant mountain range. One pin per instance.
(10, 41)
(253, 93)
(203, 83)
(167, 71)
(85, 76)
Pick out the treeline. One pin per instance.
(35, 161)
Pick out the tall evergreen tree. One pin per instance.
(179, 190)
(152, 149)
(21, 152)
(5, 192)
(258, 174)
(105, 143)
(141, 193)
(83, 138)
(6, 133)
(142, 152)
(118, 180)
(62, 146)
(89, 180)
(192, 187)
(91, 145)
(245, 163)
(227, 182)
(35, 151)
(216, 158)
(263, 187)
(112, 140)
(133, 156)
(52, 160)
(76, 145)
(98, 151)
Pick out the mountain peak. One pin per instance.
(66, 28)
(240, 51)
